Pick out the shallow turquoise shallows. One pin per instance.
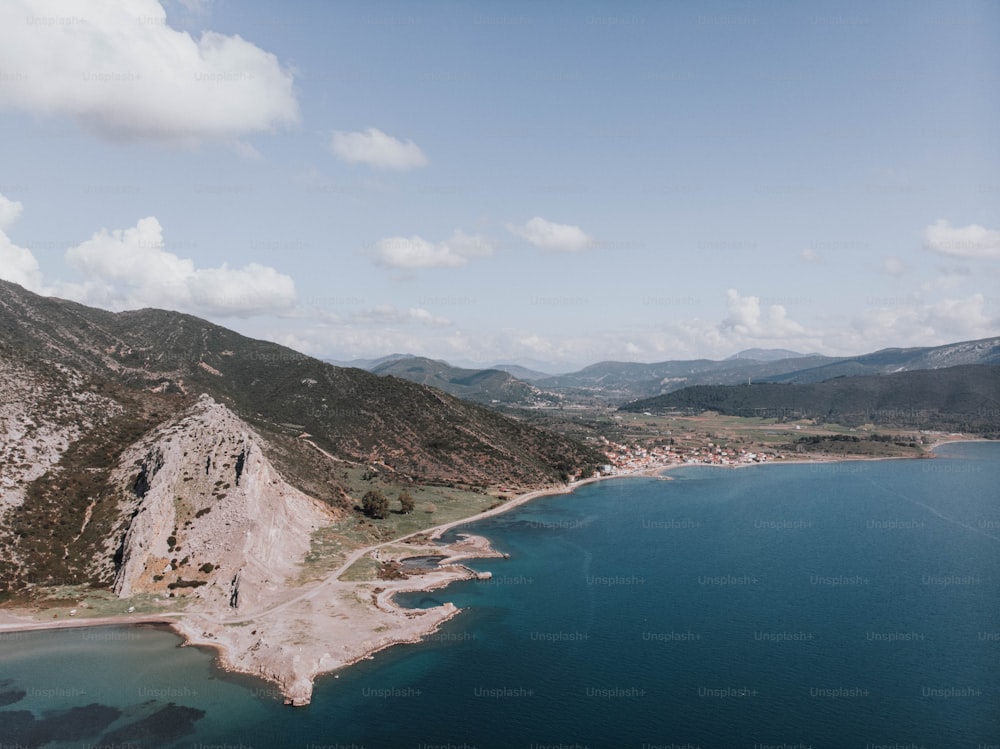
(842, 605)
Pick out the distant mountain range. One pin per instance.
(890, 360)
(521, 373)
(767, 354)
(624, 381)
(368, 364)
(956, 398)
(488, 386)
(371, 365)
(621, 382)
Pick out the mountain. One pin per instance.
(488, 386)
(886, 361)
(624, 381)
(619, 382)
(767, 354)
(368, 364)
(965, 398)
(521, 373)
(94, 404)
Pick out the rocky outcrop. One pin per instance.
(209, 518)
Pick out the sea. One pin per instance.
(852, 604)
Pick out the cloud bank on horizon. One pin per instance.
(127, 124)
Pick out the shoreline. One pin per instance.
(361, 617)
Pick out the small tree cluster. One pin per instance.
(406, 503)
(375, 504)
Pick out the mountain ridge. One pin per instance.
(963, 398)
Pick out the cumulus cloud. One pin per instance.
(17, 264)
(972, 241)
(376, 149)
(414, 252)
(131, 269)
(548, 235)
(747, 319)
(10, 212)
(123, 72)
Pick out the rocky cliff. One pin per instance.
(208, 516)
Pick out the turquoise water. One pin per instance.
(846, 605)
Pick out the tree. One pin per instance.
(375, 504)
(406, 503)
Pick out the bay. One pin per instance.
(850, 604)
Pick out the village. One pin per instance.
(623, 459)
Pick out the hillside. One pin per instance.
(84, 388)
(965, 398)
(487, 386)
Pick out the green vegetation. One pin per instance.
(961, 398)
(868, 446)
(332, 544)
(406, 502)
(182, 583)
(375, 504)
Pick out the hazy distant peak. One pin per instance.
(768, 354)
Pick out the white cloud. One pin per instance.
(386, 314)
(123, 72)
(746, 320)
(419, 314)
(892, 266)
(972, 241)
(548, 235)
(10, 212)
(196, 6)
(376, 149)
(17, 264)
(415, 252)
(912, 321)
(811, 256)
(949, 279)
(131, 269)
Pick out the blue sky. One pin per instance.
(551, 182)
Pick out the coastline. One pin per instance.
(334, 623)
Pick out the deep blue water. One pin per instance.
(845, 605)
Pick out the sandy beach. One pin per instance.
(300, 633)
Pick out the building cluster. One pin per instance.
(623, 459)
